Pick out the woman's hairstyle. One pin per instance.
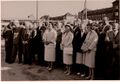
(106, 28)
(69, 25)
(90, 25)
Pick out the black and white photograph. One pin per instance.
(60, 40)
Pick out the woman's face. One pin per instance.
(67, 28)
(87, 28)
(50, 26)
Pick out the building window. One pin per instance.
(116, 7)
(116, 13)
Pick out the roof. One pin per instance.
(61, 17)
(98, 11)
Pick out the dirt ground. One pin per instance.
(20, 72)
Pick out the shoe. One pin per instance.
(68, 73)
(29, 63)
(19, 62)
(10, 62)
(49, 69)
(82, 75)
(88, 78)
(65, 72)
(78, 73)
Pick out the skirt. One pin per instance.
(90, 59)
(49, 53)
(67, 56)
(80, 58)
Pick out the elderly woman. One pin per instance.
(89, 48)
(66, 45)
(49, 38)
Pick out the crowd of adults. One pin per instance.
(88, 48)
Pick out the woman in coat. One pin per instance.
(66, 46)
(49, 38)
(89, 49)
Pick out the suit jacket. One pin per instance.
(16, 35)
(78, 40)
(36, 39)
(8, 35)
(114, 40)
(25, 35)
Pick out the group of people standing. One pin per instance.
(83, 46)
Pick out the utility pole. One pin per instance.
(37, 12)
(85, 7)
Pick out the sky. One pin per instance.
(22, 9)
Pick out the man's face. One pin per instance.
(115, 27)
(82, 27)
(16, 24)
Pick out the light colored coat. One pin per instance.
(50, 48)
(90, 43)
(67, 39)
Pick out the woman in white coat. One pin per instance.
(49, 38)
(66, 46)
(89, 49)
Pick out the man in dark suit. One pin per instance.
(8, 36)
(24, 39)
(17, 44)
(32, 46)
(59, 52)
(36, 46)
(79, 37)
(40, 46)
(20, 44)
(114, 40)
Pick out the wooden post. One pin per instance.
(37, 12)
(85, 7)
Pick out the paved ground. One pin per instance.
(20, 72)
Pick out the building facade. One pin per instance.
(63, 18)
(112, 12)
(116, 10)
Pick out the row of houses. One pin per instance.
(112, 12)
(68, 17)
